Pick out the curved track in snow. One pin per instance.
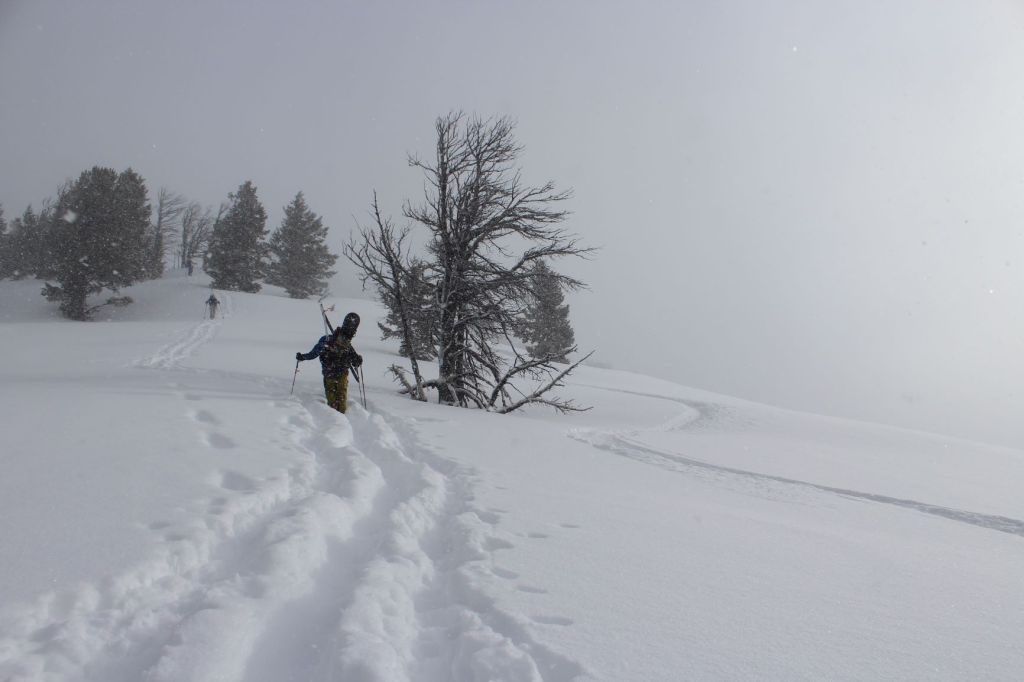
(703, 416)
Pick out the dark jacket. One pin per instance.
(335, 357)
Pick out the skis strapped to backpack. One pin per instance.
(327, 323)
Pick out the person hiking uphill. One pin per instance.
(336, 358)
(212, 303)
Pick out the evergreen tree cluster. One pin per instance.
(24, 245)
(102, 233)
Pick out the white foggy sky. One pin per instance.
(814, 204)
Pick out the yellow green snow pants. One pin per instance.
(336, 390)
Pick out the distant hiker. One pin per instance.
(212, 303)
(336, 358)
(190, 268)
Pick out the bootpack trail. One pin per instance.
(358, 562)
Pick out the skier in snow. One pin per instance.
(212, 303)
(336, 358)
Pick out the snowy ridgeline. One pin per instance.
(169, 512)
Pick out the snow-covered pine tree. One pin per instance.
(236, 257)
(97, 238)
(545, 323)
(301, 260)
(418, 292)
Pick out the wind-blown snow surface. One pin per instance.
(169, 512)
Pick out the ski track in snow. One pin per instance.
(365, 562)
(173, 354)
(711, 417)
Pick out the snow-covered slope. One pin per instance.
(169, 512)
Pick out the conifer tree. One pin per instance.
(302, 262)
(22, 246)
(97, 238)
(38, 243)
(545, 324)
(5, 247)
(237, 253)
(421, 307)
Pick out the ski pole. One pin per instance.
(291, 392)
(356, 372)
(362, 385)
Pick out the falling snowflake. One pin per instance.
(69, 216)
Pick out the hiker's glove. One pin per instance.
(357, 361)
(298, 357)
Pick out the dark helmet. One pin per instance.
(349, 325)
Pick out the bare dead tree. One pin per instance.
(196, 224)
(488, 227)
(381, 253)
(551, 379)
(168, 209)
(204, 249)
(415, 391)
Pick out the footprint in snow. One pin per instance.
(218, 440)
(503, 573)
(232, 480)
(538, 536)
(494, 544)
(552, 620)
(205, 417)
(570, 525)
(489, 517)
(298, 420)
(531, 590)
